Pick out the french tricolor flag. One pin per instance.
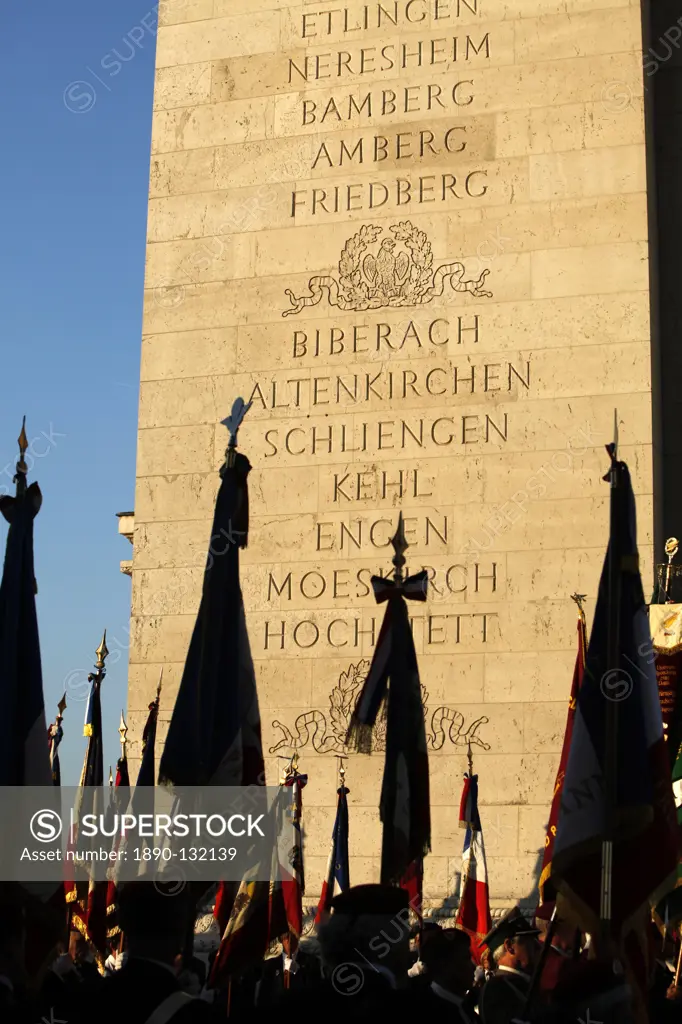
(473, 915)
(338, 870)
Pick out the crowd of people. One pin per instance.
(368, 957)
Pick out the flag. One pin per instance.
(669, 910)
(88, 901)
(146, 775)
(620, 792)
(547, 893)
(214, 737)
(24, 755)
(263, 912)
(665, 621)
(338, 866)
(118, 805)
(473, 913)
(256, 919)
(413, 884)
(55, 735)
(293, 883)
(392, 686)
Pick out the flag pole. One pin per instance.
(290, 770)
(123, 736)
(611, 710)
(123, 740)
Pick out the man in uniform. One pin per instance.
(515, 949)
(145, 990)
(449, 965)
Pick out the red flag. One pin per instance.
(413, 884)
(293, 884)
(121, 784)
(473, 913)
(547, 891)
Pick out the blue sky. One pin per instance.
(74, 195)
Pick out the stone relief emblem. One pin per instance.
(326, 731)
(389, 276)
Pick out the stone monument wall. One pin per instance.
(414, 234)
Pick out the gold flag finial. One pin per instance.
(61, 707)
(579, 599)
(400, 546)
(158, 688)
(102, 652)
(111, 777)
(23, 442)
(671, 548)
(342, 769)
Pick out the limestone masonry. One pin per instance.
(414, 234)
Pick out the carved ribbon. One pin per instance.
(413, 588)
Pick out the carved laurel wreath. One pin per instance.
(326, 732)
(421, 264)
(352, 285)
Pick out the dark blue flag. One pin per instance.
(214, 736)
(24, 752)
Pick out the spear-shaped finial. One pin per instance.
(470, 759)
(102, 652)
(22, 468)
(160, 684)
(111, 778)
(342, 769)
(61, 708)
(23, 445)
(400, 546)
(123, 733)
